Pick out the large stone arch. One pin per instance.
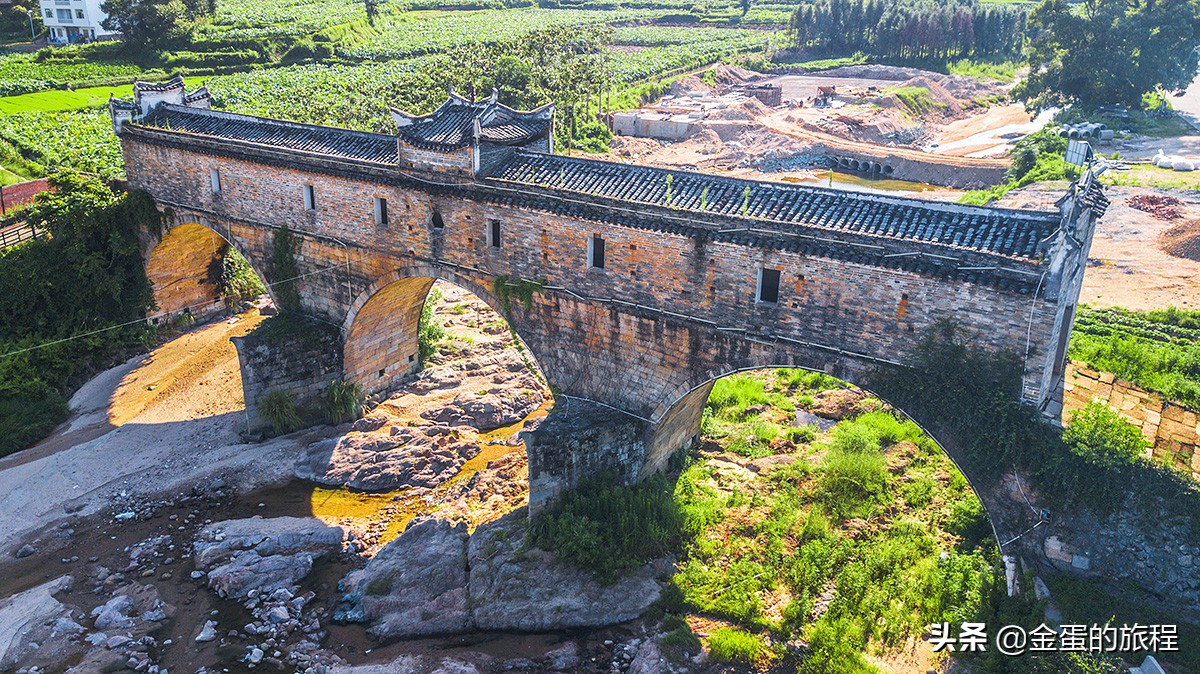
(679, 424)
(178, 268)
(379, 332)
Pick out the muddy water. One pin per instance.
(347, 507)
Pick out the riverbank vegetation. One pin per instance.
(70, 304)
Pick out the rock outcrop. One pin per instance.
(36, 628)
(390, 457)
(530, 591)
(417, 584)
(435, 579)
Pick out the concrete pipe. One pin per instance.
(888, 170)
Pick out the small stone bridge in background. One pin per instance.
(654, 283)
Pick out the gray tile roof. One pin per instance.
(324, 140)
(452, 125)
(991, 230)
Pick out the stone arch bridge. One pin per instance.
(654, 282)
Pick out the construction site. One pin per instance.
(867, 127)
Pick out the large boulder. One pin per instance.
(531, 591)
(417, 584)
(36, 628)
(389, 458)
(262, 554)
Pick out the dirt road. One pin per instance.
(174, 412)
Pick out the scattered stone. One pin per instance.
(25, 551)
(208, 632)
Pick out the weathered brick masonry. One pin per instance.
(675, 305)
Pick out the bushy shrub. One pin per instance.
(238, 282)
(727, 644)
(430, 332)
(1100, 435)
(609, 528)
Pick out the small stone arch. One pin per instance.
(379, 333)
(177, 266)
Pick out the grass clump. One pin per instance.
(853, 482)
(727, 644)
(343, 402)
(609, 528)
(279, 409)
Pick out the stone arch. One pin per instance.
(380, 330)
(178, 268)
(678, 425)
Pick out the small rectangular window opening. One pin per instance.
(768, 286)
(595, 251)
(214, 180)
(310, 198)
(494, 233)
(381, 214)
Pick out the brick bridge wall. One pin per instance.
(641, 340)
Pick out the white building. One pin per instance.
(70, 21)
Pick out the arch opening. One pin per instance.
(818, 403)
(196, 274)
(807, 492)
(449, 386)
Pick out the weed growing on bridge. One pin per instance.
(971, 398)
(282, 269)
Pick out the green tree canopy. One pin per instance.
(1102, 52)
(152, 24)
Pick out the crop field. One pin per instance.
(400, 38)
(239, 18)
(355, 97)
(675, 49)
(21, 74)
(1157, 350)
(83, 141)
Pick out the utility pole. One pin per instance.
(32, 33)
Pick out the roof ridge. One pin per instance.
(918, 202)
(225, 114)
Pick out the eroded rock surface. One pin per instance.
(390, 457)
(530, 591)
(262, 555)
(36, 628)
(417, 584)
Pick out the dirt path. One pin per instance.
(149, 424)
(1127, 268)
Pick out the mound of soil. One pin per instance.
(631, 146)
(1182, 241)
(749, 110)
(690, 85)
(728, 75)
(940, 95)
